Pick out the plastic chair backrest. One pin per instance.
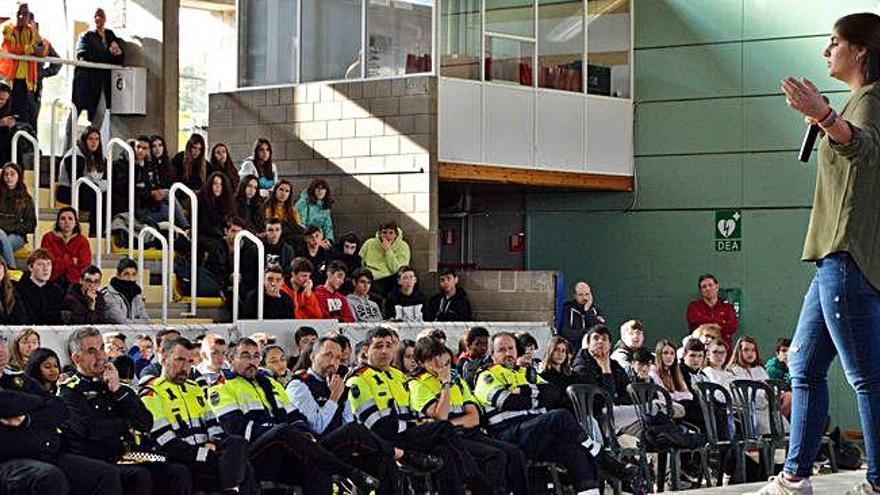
(745, 393)
(643, 397)
(584, 397)
(706, 393)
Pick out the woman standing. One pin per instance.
(17, 215)
(70, 250)
(710, 309)
(841, 310)
(91, 87)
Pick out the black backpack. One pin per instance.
(663, 433)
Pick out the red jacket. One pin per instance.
(304, 307)
(334, 306)
(722, 313)
(68, 259)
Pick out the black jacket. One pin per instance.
(43, 304)
(575, 322)
(78, 308)
(252, 213)
(396, 298)
(219, 264)
(274, 308)
(37, 437)
(99, 422)
(455, 308)
(587, 370)
(88, 83)
(18, 315)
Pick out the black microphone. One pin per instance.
(809, 140)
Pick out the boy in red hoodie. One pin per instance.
(299, 288)
(333, 303)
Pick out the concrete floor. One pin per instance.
(826, 484)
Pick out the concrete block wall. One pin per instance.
(511, 295)
(375, 142)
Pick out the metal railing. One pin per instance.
(53, 139)
(59, 60)
(236, 272)
(99, 203)
(193, 237)
(36, 144)
(165, 289)
(108, 150)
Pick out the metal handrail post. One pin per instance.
(193, 235)
(99, 203)
(162, 240)
(236, 272)
(54, 138)
(36, 144)
(109, 157)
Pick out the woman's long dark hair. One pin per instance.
(227, 167)
(67, 209)
(35, 362)
(224, 202)
(289, 205)
(199, 165)
(162, 160)
(863, 29)
(327, 202)
(242, 185)
(7, 290)
(19, 193)
(93, 161)
(264, 169)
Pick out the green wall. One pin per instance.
(712, 131)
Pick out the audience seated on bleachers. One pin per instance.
(12, 309)
(276, 304)
(314, 206)
(385, 254)
(190, 165)
(123, 297)
(280, 204)
(579, 315)
(261, 165)
(23, 346)
(216, 204)
(70, 250)
(41, 298)
(17, 215)
(346, 251)
(221, 161)
(153, 179)
(44, 367)
(451, 303)
(84, 301)
(333, 304)
(277, 252)
(632, 337)
(90, 163)
(300, 288)
(405, 301)
(249, 203)
(217, 275)
(363, 307)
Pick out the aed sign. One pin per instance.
(728, 230)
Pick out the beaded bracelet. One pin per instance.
(829, 120)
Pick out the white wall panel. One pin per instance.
(509, 126)
(460, 121)
(609, 136)
(561, 134)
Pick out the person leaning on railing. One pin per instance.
(91, 86)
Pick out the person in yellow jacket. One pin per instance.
(517, 412)
(384, 254)
(249, 402)
(379, 399)
(440, 393)
(21, 37)
(186, 431)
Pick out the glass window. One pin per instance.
(515, 17)
(608, 44)
(331, 40)
(561, 44)
(399, 34)
(267, 30)
(509, 61)
(460, 38)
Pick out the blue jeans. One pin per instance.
(9, 244)
(840, 315)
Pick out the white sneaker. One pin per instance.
(863, 488)
(778, 485)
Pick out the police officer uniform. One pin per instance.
(380, 401)
(31, 452)
(503, 464)
(516, 412)
(182, 426)
(99, 425)
(282, 446)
